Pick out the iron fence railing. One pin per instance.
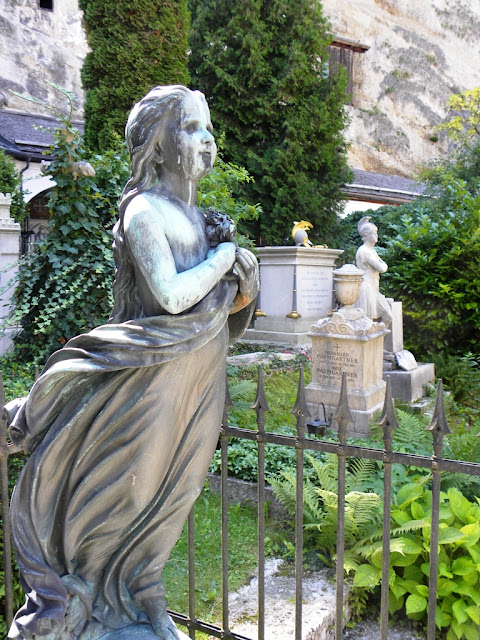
(438, 427)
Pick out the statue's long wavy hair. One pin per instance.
(144, 132)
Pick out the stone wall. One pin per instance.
(38, 46)
(9, 246)
(420, 53)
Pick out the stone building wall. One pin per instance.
(421, 51)
(38, 46)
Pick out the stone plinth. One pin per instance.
(408, 386)
(348, 341)
(313, 268)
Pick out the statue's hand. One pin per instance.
(246, 267)
(225, 253)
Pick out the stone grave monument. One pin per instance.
(296, 289)
(408, 378)
(349, 341)
(122, 424)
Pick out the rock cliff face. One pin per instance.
(420, 53)
(38, 46)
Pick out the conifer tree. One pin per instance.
(134, 46)
(263, 67)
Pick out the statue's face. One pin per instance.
(188, 145)
(371, 234)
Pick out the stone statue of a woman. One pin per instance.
(124, 420)
(371, 300)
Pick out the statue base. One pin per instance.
(409, 386)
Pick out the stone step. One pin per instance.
(318, 610)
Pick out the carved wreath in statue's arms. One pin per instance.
(220, 227)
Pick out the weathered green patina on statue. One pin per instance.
(124, 420)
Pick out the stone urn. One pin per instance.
(348, 280)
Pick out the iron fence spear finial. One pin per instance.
(300, 408)
(388, 420)
(260, 404)
(438, 426)
(342, 415)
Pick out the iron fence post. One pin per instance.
(389, 422)
(300, 411)
(224, 508)
(438, 427)
(260, 405)
(7, 549)
(343, 418)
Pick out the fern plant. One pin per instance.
(320, 503)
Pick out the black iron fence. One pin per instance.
(438, 427)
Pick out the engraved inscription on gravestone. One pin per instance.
(315, 291)
(332, 362)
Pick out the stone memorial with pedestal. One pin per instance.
(347, 341)
(296, 289)
(408, 378)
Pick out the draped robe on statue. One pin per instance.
(122, 426)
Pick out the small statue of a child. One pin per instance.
(371, 300)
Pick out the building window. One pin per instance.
(37, 208)
(46, 4)
(342, 52)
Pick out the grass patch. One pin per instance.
(242, 545)
(280, 382)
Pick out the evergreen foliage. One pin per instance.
(11, 182)
(134, 46)
(263, 69)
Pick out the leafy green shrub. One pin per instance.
(461, 376)
(216, 190)
(11, 182)
(64, 285)
(458, 595)
(320, 503)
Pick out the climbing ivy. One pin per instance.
(64, 285)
